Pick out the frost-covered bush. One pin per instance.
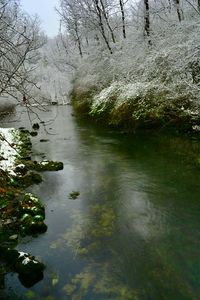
(140, 103)
(154, 79)
(106, 99)
(173, 56)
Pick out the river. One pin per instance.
(133, 232)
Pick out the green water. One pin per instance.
(134, 230)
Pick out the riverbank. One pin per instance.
(22, 213)
(135, 223)
(133, 106)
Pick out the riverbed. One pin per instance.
(133, 232)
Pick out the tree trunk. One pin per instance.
(123, 18)
(147, 20)
(78, 40)
(169, 6)
(101, 25)
(107, 21)
(178, 9)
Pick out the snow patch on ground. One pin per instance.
(8, 153)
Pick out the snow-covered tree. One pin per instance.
(156, 66)
(20, 39)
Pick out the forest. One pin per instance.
(111, 106)
(129, 64)
(134, 63)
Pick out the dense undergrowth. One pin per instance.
(128, 107)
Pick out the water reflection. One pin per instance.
(133, 233)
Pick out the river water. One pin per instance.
(133, 232)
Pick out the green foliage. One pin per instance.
(81, 100)
(22, 213)
(142, 105)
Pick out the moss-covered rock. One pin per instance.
(29, 269)
(27, 180)
(31, 215)
(45, 165)
(74, 195)
(33, 133)
(32, 204)
(21, 213)
(21, 169)
(36, 126)
(24, 214)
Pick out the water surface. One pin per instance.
(134, 231)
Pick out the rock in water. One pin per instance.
(36, 126)
(29, 269)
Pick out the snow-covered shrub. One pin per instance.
(106, 99)
(140, 103)
(154, 82)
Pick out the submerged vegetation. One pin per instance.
(133, 65)
(122, 237)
